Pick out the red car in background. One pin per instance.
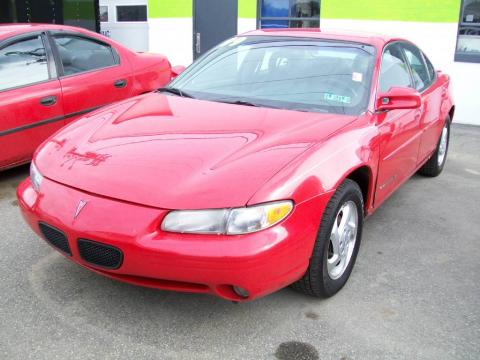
(51, 74)
(253, 169)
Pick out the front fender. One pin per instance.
(323, 167)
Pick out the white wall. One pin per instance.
(173, 37)
(133, 35)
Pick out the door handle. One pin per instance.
(120, 83)
(48, 100)
(198, 47)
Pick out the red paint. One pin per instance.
(135, 160)
(75, 93)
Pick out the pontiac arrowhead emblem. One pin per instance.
(80, 206)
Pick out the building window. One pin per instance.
(288, 14)
(132, 13)
(468, 40)
(104, 13)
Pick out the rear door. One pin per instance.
(213, 22)
(424, 77)
(30, 97)
(400, 129)
(92, 74)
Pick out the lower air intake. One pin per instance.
(55, 237)
(104, 256)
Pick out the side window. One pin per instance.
(420, 74)
(79, 54)
(393, 71)
(23, 63)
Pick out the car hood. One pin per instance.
(176, 153)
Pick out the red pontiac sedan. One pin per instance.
(253, 170)
(50, 75)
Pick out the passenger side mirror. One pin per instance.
(398, 98)
(177, 70)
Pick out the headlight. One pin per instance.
(35, 176)
(227, 221)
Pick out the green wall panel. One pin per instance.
(404, 10)
(247, 8)
(183, 8)
(169, 8)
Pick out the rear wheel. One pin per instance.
(337, 243)
(434, 166)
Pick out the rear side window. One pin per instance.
(23, 63)
(420, 74)
(431, 69)
(80, 54)
(394, 70)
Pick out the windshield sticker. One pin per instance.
(337, 98)
(358, 77)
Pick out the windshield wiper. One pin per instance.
(175, 91)
(239, 102)
(246, 103)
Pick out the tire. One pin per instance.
(320, 279)
(434, 166)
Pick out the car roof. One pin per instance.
(373, 39)
(8, 30)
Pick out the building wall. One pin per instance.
(431, 24)
(134, 35)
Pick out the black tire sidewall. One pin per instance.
(440, 167)
(431, 168)
(351, 193)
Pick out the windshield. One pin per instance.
(283, 72)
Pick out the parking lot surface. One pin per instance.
(414, 292)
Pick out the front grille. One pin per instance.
(101, 255)
(55, 237)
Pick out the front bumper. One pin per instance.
(261, 262)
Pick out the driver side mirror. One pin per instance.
(177, 70)
(398, 98)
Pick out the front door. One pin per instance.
(30, 98)
(213, 22)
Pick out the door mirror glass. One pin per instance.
(398, 98)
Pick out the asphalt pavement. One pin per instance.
(414, 292)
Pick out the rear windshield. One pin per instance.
(284, 72)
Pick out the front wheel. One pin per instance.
(434, 166)
(337, 243)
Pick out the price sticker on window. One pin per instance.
(358, 77)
